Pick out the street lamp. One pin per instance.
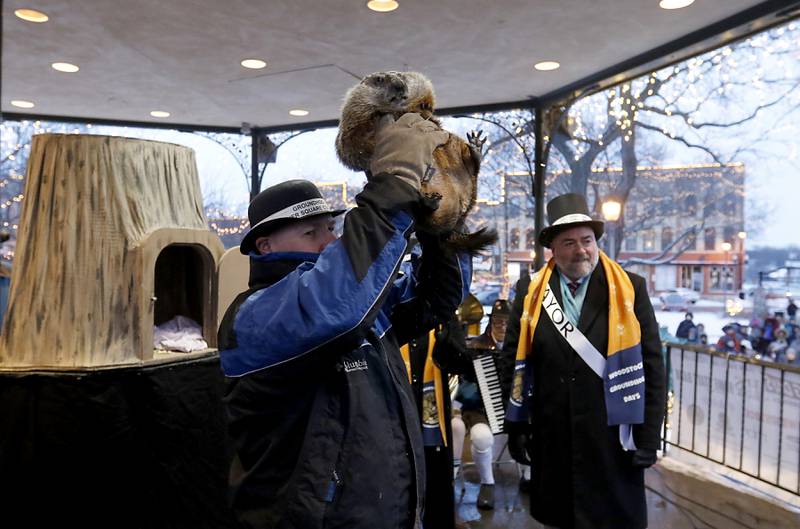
(742, 236)
(726, 247)
(532, 264)
(612, 209)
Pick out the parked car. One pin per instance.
(488, 296)
(691, 296)
(674, 301)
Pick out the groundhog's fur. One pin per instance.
(381, 93)
(452, 189)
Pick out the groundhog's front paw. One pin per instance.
(476, 139)
(430, 201)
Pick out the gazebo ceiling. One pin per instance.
(183, 56)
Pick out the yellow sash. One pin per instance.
(432, 376)
(624, 331)
(624, 336)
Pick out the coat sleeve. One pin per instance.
(648, 434)
(336, 298)
(428, 295)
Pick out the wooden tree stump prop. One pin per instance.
(112, 239)
(233, 276)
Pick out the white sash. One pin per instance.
(588, 352)
(574, 337)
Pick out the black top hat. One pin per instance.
(568, 211)
(281, 204)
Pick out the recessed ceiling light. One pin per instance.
(674, 4)
(253, 64)
(159, 114)
(31, 15)
(298, 112)
(21, 103)
(382, 6)
(65, 67)
(546, 66)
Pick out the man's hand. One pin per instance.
(519, 436)
(518, 448)
(643, 457)
(450, 351)
(405, 147)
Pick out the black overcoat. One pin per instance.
(581, 476)
(440, 511)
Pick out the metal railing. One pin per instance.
(736, 411)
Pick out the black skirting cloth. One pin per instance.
(129, 447)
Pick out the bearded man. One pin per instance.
(588, 388)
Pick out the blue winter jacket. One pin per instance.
(324, 424)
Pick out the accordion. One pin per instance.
(489, 386)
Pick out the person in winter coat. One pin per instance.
(686, 327)
(698, 331)
(777, 349)
(324, 424)
(729, 342)
(588, 390)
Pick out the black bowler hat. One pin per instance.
(568, 211)
(280, 205)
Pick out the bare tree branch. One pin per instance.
(686, 142)
(686, 115)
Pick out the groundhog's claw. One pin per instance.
(476, 140)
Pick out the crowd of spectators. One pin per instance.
(775, 338)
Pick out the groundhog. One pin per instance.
(452, 189)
